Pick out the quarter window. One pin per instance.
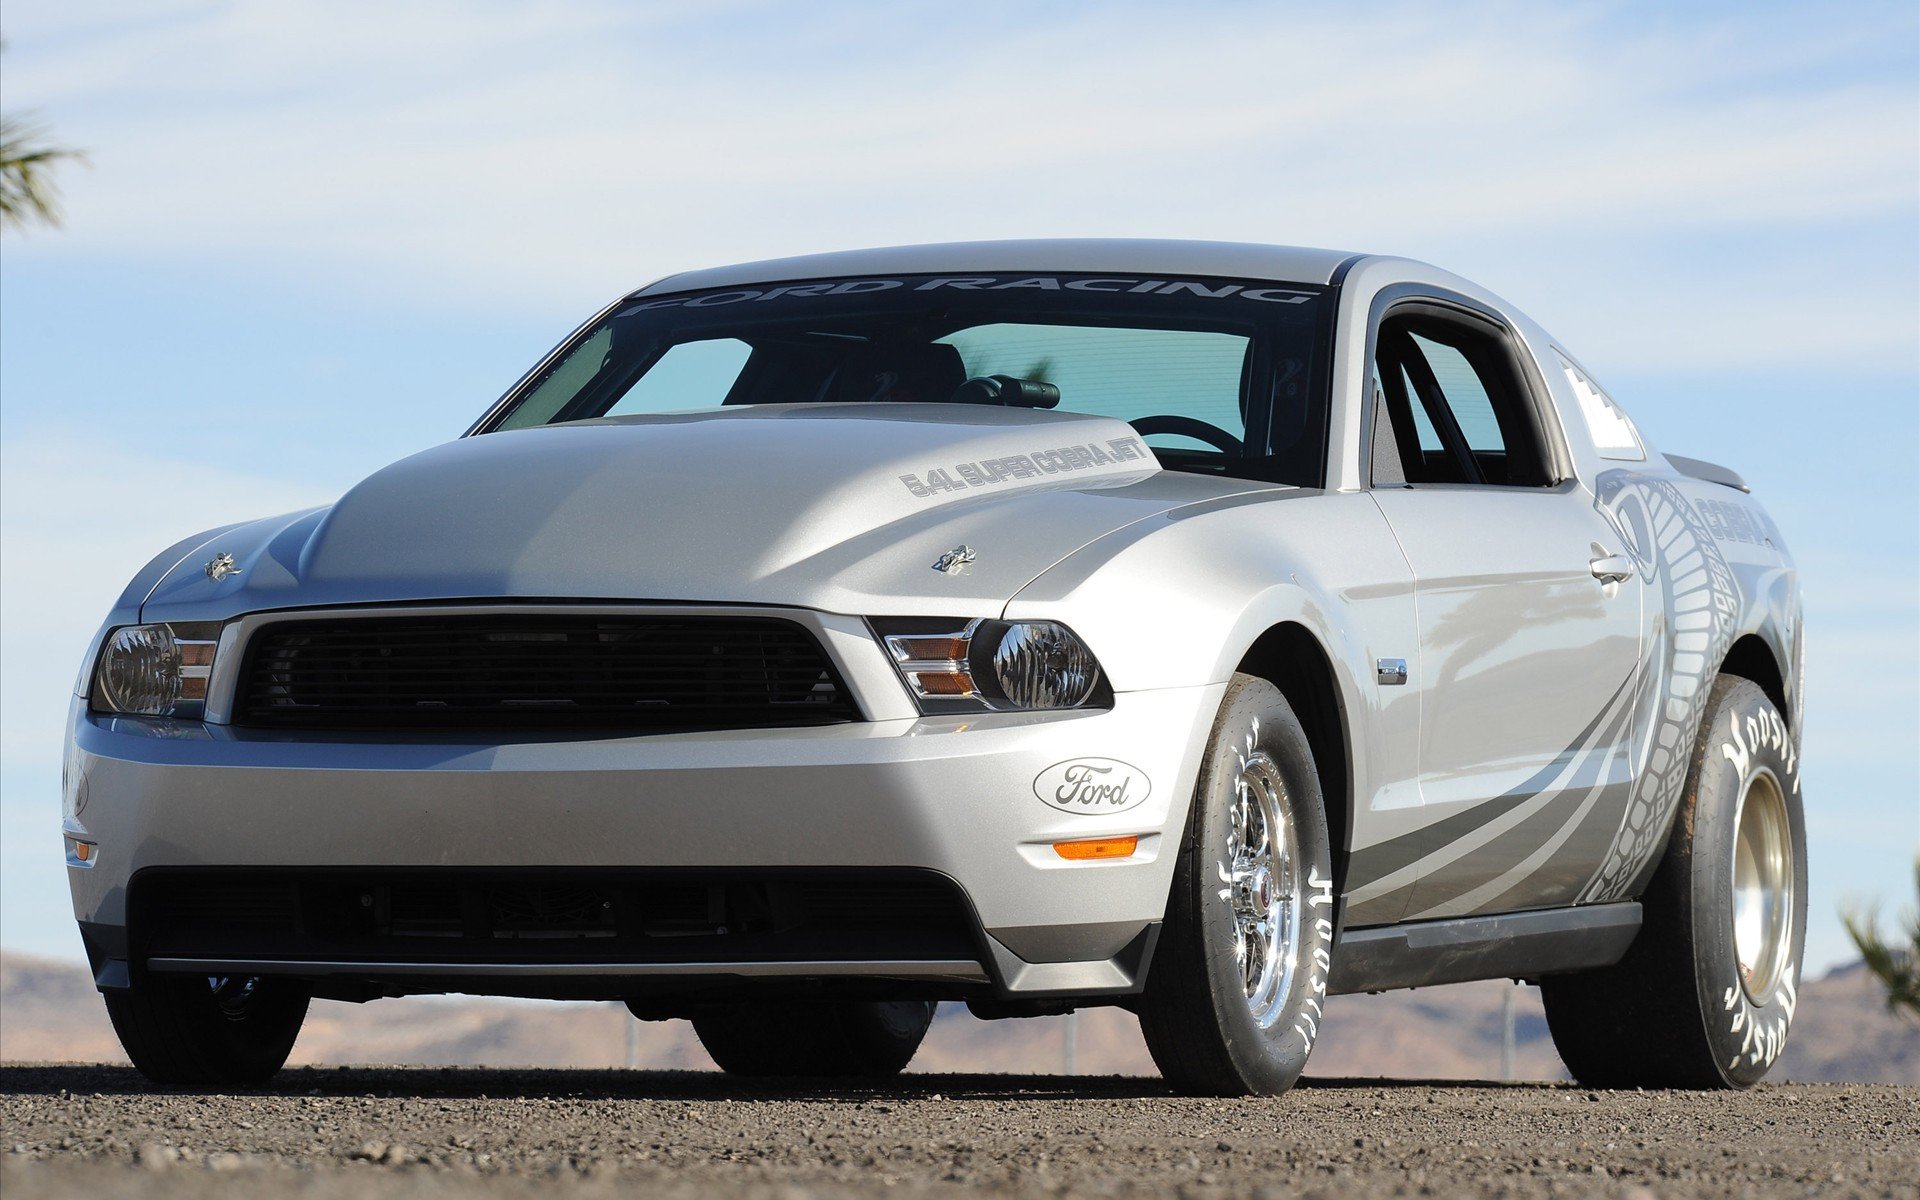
(1613, 433)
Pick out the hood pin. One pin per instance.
(954, 561)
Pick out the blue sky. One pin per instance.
(316, 236)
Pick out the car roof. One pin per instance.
(1132, 256)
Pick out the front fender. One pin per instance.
(1176, 600)
(1179, 599)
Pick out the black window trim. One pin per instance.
(1450, 305)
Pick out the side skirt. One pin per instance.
(1522, 945)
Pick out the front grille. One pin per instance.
(557, 670)
(534, 915)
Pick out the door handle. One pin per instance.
(1612, 568)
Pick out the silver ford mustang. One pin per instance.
(1203, 629)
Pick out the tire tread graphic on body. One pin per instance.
(1676, 553)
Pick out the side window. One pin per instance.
(1429, 436)
(1458, 401)
(688, 375)
(1613, 433)
(1465, 395)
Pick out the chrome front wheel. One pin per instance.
(1263, 891)
(1235, 996)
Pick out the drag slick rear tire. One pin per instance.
(846, 1039)
(192, 1031)
(1705, 996)
(1238, 986)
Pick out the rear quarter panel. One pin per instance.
(1715, 569)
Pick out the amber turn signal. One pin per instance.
(943, 683)
(1114, 847)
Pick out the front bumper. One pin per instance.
(953, 797)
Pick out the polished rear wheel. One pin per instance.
(1706, 995)
(1763, 886)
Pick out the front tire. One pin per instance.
(191, 1031)
(1237, 990)
(1707, 993)
(847, 1039)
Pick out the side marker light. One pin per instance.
(1085, 848)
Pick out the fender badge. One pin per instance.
(954, 561)
(1092, 785)
(221, 567)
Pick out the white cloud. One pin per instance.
(493, 154)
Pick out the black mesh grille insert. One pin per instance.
(535, 915)
(553, 670)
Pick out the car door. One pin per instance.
(1528, 619)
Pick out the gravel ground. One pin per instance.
(73, 1131)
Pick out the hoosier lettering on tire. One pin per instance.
(1707, 994)
(1240, 983)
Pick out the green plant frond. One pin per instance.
(27, 193)
(1897, 967)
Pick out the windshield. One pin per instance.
(1217, 375)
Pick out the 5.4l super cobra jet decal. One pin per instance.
(986, 472)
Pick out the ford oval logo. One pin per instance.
(1092, 785)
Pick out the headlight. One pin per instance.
(1021, 666)
(156, 670)
(1040, 664)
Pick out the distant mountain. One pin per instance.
(49, 1012)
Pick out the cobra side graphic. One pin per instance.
(1525, 826)
(1692, 627)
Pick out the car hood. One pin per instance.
(842, 508)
